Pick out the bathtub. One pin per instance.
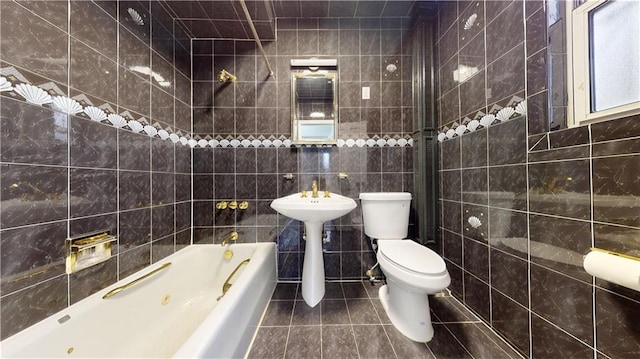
(177, 310)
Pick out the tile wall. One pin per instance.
(64, 174)
(258, 108)
(520, 266)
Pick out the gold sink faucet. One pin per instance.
(314, 189)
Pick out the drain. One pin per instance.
(165, 299)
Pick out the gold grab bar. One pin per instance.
(226, 286)
(121, 288)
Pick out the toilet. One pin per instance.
(412, 270)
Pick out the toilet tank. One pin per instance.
(385, 214)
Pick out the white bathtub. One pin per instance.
(172, 313)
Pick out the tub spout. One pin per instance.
(231, 237)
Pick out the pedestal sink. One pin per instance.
(313, 212)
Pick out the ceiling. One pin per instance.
(226, 19)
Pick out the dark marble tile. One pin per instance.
(372, 341)
(278, 313)
(162, 155)
(476, 296)
(445, 345)
(616, 129)
(505, 76)
(564, 301)
(451, 185)
(162, 218)
(537, 72)
(134, 228)
(134, 151)
(334, 312)
(474, 186)
(512, 321)
(550, 342)
(538, 113)
(339, 342)
(134, 260)
(182, 116)
(245, 160)
(162, 73)
(134, 93)
(32, 194)
(472, 94)
(616, 329)
(448, 44)
(560, 188)
(452, 244)
(162, 188)
(182, 159)
(509, 231)
(449, 309)
(92, 192)
(621, 147)
(569, 137)
(92, 144)
(474, 149)
(32, 134)
(560, 244)
(451, 216)
(476, 340)
(162, 248)
(134, 190)
(450, 151)
(476, 259)
(33, 44)
(505, 31)
(183, 216)
(471, 23)
(449, 105)
(507, 187)
(92, 73)
(31, 254)
(508, 142)
(510, 275)
(289, 266)
(27, 307)
(91, 280)
(270, 342)
(361, 311)
(536, 29)
(133, 53)
(303, 342)
(303, 314)
(616, 190)
(183, 187)
(567, 153)
(457, 282)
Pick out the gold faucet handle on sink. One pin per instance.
(303, 194)
(326, 194)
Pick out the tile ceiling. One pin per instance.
(225, 18)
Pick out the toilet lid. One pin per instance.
(412, 256)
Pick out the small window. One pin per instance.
(604, 66)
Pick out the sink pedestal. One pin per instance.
(313, 268)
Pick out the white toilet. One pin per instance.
(413, 271)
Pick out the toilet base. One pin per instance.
(408, 312)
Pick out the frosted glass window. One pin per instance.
(614, 54)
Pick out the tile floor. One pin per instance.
(350, 323)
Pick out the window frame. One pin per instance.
(578, 74)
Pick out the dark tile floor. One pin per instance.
(350, 322)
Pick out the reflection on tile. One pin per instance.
(372, 341)
(507, 144)
(444, 345)
(564, 301)
(616, 328)
(27, 307)
(475, 341)
(92, 144)
(92, 191)
(476, 296)
(39, 252)
(616, 194)
(509, 275)
(33, 44)
(32, 134)
(32, 194)
(278, 313)
(551, 342)
(91, 280)
(511, 320)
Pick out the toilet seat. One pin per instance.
(412, 257)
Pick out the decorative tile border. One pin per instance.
(17, 86)
(282, 141)
(497, 115)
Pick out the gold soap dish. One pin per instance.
(88, 249)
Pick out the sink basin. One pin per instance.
(313, 212)
(309, 209)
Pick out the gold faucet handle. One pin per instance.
(326, 194)
(303, 194)
(222, 205)
(233, 204)
(243, 205)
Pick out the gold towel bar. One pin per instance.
(226, 286)
(615, 253)
(121, 288)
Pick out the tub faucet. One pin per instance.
(314, 189)
(231, 237)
